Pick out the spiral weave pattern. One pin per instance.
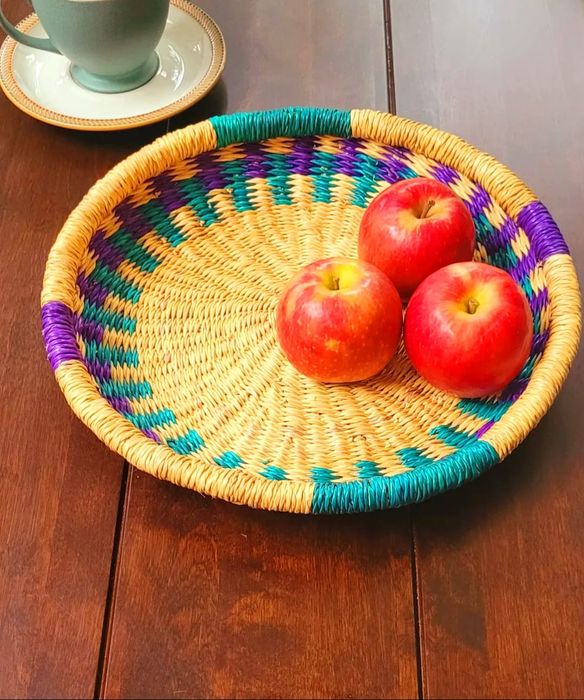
(160, 293)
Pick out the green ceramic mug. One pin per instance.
(110, 43)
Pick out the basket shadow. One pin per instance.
(174, 513)
(527, 478)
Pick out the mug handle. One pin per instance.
(22, 38)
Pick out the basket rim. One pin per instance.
(377, 492)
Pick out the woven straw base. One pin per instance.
(206, 321)
(160, 298)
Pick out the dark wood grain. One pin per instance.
(500, 563)
(215, 600)
(59, 485)
(307, 52)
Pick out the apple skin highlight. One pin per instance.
(339, 320)
(468, 329)
(414, 228)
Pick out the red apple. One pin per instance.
(414, 228)
(339, 320)
(468, 329)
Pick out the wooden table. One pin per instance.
(115, 584)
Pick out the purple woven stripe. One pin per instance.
(515, 389)
(304, 158)
(120, 404)
(91, 290)
(479, 201)
(392, 164)
(541, 230)
(507, 232)
(301, 156)
(348, 159)
(445, 174)
(151, 434)
(170, 196)
(210, 172)
(539, 342)
(106, 252)
(58, 333)
(483, 429)
(499, 239)
(100, 370)
(255, 164)
(540, 300)
(89, 330)
(523, 267)
(132, 220)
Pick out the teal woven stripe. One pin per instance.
(229, 460)
(148, 421)
(274, 473)
(408, 173)
(279, 167)
(529, 365)
(324, 165)
(483, 227)
(134, 252)
(372, 170)
(116, 355)
(414, 458)
(365, 185)
(115, 283)
(527, 286)
(108, 319)
(127, 389)
(290, 121)
(322, 475)
(505, 259)
(155, 214)
(234, 171)
(483, 409)
(187, 444)
(501, 253)
(411, 487)
(452, 437)
(196, 196)
(367, 469)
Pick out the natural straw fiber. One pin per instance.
(160, 292)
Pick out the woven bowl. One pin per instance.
(159, 298)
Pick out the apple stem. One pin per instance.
(335, 284)
(472, 305)
(429, 204)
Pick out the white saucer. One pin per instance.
(192, 56)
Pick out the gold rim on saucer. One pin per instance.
(18, 98)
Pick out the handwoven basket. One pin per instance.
(159, 298)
